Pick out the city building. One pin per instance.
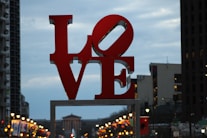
(10, 90)
(162, 86)
(24, 107)
(194, 58)
(161, 90)
(4, 59)
(166, 83)
(14, 34)
(72, 125)
(144, 89)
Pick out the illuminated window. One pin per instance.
(177, 88)
(186, 55)
(193, 54)
(177, 78)
(201, 53)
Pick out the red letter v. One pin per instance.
(62, 59)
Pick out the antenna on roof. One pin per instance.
(167, 62)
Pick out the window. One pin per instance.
(177, 78)
(201, 52)
(194, 100)
(178, 88)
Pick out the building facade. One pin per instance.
(4, 59)
(10, 90)
(72, 125)
(161, 88)
(166, 83)
(144, 89)
(194, 58)
(15, 91)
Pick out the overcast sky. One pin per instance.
(156, 25)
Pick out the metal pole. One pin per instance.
(52, 119)
(134, 102)
(137, 118)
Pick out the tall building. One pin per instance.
(10, 91)
(194, 58)
(4, 59)
(15, 57)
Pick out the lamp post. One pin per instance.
(203, 131)
(190, 123)
(12, 116)
(9, 128)
(147, 110)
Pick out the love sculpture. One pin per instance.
(106, 58)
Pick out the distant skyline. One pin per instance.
(156, 27)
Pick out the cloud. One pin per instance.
(52, 81)
(40, 81)
(157, 13)
(166, 45)
(126, 7)
(169, 23)
(35, 23)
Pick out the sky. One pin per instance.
(156, 26)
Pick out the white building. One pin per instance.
(162, 85)
(145, 88)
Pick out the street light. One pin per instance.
(121, 126)
(23, 118)
(12, 115)
(130, 115)
(147, 110)
(28, 119)
(203, 131)
(124, 116)
(18, 116)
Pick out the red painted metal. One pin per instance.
(106, 58)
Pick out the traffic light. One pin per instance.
(146, 105)
(2, 123)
